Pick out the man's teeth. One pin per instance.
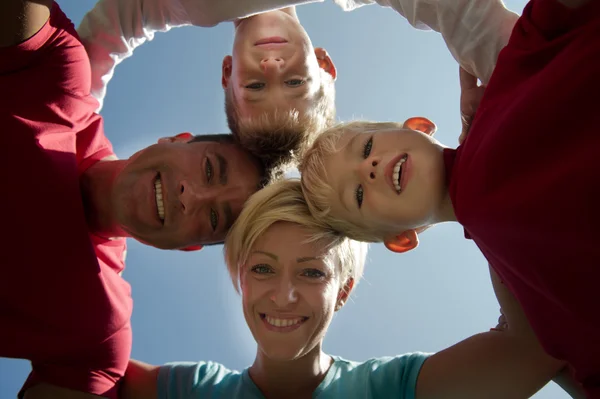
(283, 322)
(396, 175)
(159, 198)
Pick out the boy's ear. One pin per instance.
(325, 62)
(344, 293)
(226, 71)
(421, 124)
(402, 242)
(192, 248)
(180, 138)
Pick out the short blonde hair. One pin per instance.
(319, 192)
(281, 137)
(284, 202)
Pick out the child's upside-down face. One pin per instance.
(390, 181)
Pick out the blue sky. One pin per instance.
(185, 306)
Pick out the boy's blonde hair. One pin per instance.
(282, 136)
(284, 202)
(314, 178)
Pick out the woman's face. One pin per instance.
(289, 292)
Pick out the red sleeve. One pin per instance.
(97, 371)
(545, 21)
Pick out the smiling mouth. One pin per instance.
(397, 173)
(158, 193)
(282, 323)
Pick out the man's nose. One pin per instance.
(271, 64)
(191, 196)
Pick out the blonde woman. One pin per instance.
(294, 274)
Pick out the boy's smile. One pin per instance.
(390, 180)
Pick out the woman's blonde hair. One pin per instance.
(284, 201)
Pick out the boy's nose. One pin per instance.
(368, 170)
(271, 64)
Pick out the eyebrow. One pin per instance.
(270, 255)
(223, 169)
(307, 259)
(228, 216)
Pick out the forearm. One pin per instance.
(140, 381)
(565, 380)
(474, 30)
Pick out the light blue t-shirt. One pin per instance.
(383, 377)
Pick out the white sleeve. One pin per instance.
(474, 30)
(114, 28)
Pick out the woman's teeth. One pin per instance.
(283, 322)
(159, 198)
(398, 173)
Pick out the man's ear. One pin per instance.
(325, 62)
(421, 124)
(344, 293)
(192, 248)
(226, 71)
(180, 138)
(403, 242)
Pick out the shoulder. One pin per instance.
(183, 379)
(390, 376)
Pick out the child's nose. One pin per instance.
(369, 172)
(271, 64)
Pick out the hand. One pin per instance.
(470, 97)
(502, 323)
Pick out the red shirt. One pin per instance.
(63, 304)
(526, 183)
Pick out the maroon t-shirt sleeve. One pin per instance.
(544, 21)
(97, 370)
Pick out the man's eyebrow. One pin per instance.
(270, 255)
(223, 169)
(228, 216)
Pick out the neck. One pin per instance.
(288, 10)
(291, 378)
(96, 187)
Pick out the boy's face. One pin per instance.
(274, 65)
(391, 181)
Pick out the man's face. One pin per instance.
(177, 194)
(274, 65)
(390, 181)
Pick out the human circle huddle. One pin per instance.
(520, 184)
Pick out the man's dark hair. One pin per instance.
(269, 170)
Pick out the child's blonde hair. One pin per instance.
(284, 202)
(317, 190)
(282, 136)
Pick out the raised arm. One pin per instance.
(503, 363)
(114, 28)
(21, 19)
(474, 30)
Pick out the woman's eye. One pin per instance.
(367, 148)
(261, 269)
(214, 219)
(209, 170)
(295, 82)
(313, 273)
(359, 196)
(255, 86)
